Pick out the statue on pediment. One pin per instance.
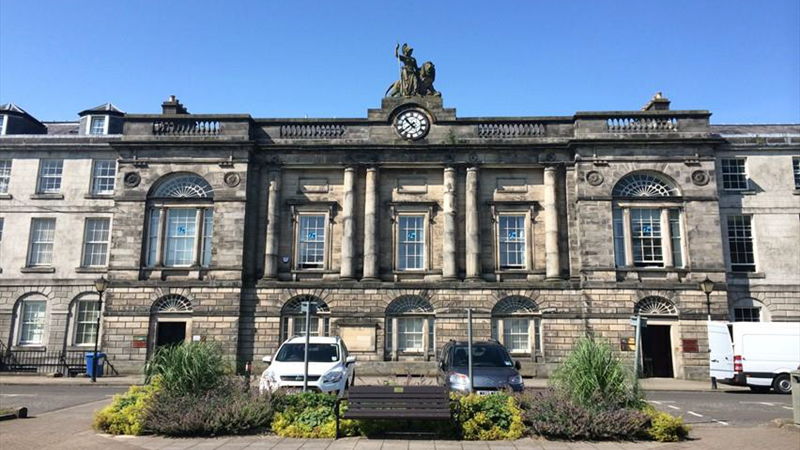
(413, 80)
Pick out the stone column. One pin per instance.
(348, 224)
(553, 263)
(371, 270)
(273, 225)
(449, 268)
(628, 242)
(666, 239)
(473, 244)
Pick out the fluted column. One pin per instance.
(449, 268)
(371, 225)
(348, 224)
(473, 244)
(273, 225)
(553, 263)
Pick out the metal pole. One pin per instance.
(708, 305)
(636, 348)
(469, 347)
(305, 356)
(97, 338)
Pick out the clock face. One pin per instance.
(412, 124)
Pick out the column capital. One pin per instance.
(350, 168)
(372, 168)
(473, 168)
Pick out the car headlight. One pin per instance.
(334, 376)
(515, 379)
(269, 378)
(459, 379)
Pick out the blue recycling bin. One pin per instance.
(90, 366)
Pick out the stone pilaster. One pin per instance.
(553, 263)
(449, 268)
(371, 269)
(473, 244)
(273, 225)
(348, 224)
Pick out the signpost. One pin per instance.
(309, 308)
(469, 347)
(638, 322)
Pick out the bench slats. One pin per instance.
(396, 414)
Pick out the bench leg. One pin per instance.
(336, 413)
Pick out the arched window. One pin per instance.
(410, 326)
(749, 310)
(655, 306)
(172, 303)
(647, 223)
(516, 323)
(293, 319)
(85, 311)
(180, 222)
(644, 184)
(31, 323)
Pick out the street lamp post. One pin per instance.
(100, 286)
(707, 286)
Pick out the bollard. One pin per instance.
(795, 376)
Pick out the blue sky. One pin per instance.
(738, 59)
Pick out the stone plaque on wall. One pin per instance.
(412, 185)
(358, 338)
(313, 185)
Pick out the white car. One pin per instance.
(330, 369)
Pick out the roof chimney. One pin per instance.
(657, 103)
(173, 106)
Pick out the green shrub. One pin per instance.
(188, 368)
(125, 415)
(231, 408)
(592, 376)
(488, 418)
(308, 415)
(552, 414)
(666, 427)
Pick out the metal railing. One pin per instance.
(68, 363)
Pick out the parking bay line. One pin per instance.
(721, 422)
(787, 407)
(694, 414)
(673, 407)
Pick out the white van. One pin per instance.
(760, 355)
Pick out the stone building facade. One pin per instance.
(216, 227)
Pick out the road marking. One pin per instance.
(673, 407)
(787, 407)
(721, 422)
(766, 403)
(654, 402)
(694, 414)
(18, 395)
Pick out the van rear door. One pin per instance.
(721, 351)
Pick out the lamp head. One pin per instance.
(707, 286)
(100, 284)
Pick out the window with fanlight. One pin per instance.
(293, 318)
(516, 323)
(647, 222)
(180, 222)
(410, 326)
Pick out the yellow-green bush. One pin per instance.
(666, 427)
(488, 418)
(308, 415)
(125, 415)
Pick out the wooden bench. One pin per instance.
(395, 402)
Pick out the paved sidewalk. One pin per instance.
(42, 380)
(702, 439)
(648, 384)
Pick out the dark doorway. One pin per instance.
(168, 333)
(657, 351)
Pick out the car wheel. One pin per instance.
(782, 384)
(760, 389)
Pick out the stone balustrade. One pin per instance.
(641, 124)
(511, 130)
(312, 131)
(186, 127)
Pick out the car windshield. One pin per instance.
(316, 353)
(482, 356)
